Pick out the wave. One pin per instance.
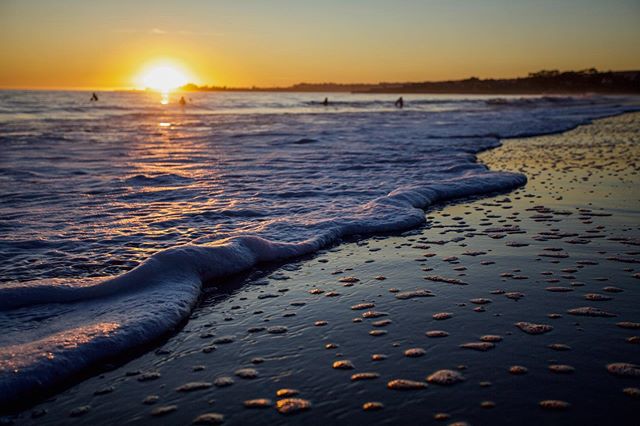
(56, 329)
(144, 303)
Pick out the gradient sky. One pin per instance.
(94, 44)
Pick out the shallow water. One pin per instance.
(91, 191)
(230, 329)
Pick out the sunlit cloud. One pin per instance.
(160, 31)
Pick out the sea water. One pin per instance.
(115, 213)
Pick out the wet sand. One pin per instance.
(517, 308)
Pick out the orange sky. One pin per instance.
(99, 44)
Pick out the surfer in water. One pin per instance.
(94, 97)
(399, 103)
(182, 101)
(325, 102)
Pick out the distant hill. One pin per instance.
(546, 81)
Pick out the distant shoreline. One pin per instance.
(539, 83)
(553, 82)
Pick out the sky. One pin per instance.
(109, 44)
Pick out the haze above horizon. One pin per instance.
(91, 44)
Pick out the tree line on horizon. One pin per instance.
(544, 81)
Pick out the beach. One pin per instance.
(526, 298)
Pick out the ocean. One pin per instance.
(115, 213)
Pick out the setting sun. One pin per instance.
(162, 78)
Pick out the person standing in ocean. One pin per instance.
(399, 103)
(94, 97)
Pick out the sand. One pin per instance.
(490, 263)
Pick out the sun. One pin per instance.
(163, 78)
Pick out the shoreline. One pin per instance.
(339, 248)
(245, 250)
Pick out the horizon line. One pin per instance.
(254, 87)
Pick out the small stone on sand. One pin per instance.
(403, 384)
(624, 369)
(292, 405)
(518, 369)
(163, 410)
(445, 377)
(436, 333)
(414, 352)
(532, 328)
(247, 373)
(553, 404)
(258, 403)
(372, 406)
(287, 392)
(442, 316)
(193, 386)
(223, 381)
(478, 346)
(364, 376)
(209, 419)
(344, 364)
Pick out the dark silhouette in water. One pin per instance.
(182, 101)
(94, 97)
(399, 103)
(325, 102)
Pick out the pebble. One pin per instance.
(223, 381)
(629, 325)
(445, 377)
(145, 377)
(561, 369)
(364, 376)
(344, 364)
(587, 311)
(412, 294)
(150, 399)
(414, 352)
(518, 369)
(624, 369)
(79, 411)
(553, 404)
(436, 333)
(491, 338)
(287, 392)
(247, 373)
(292, 405)
(258, 403)
(277, 329)
(403, 384)
(372, 406)
(209, 419)
(487, 404)
(532, 328)
(361, 306)
(478, 346)
(559, 347)
(193, 386)
(163, 410)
